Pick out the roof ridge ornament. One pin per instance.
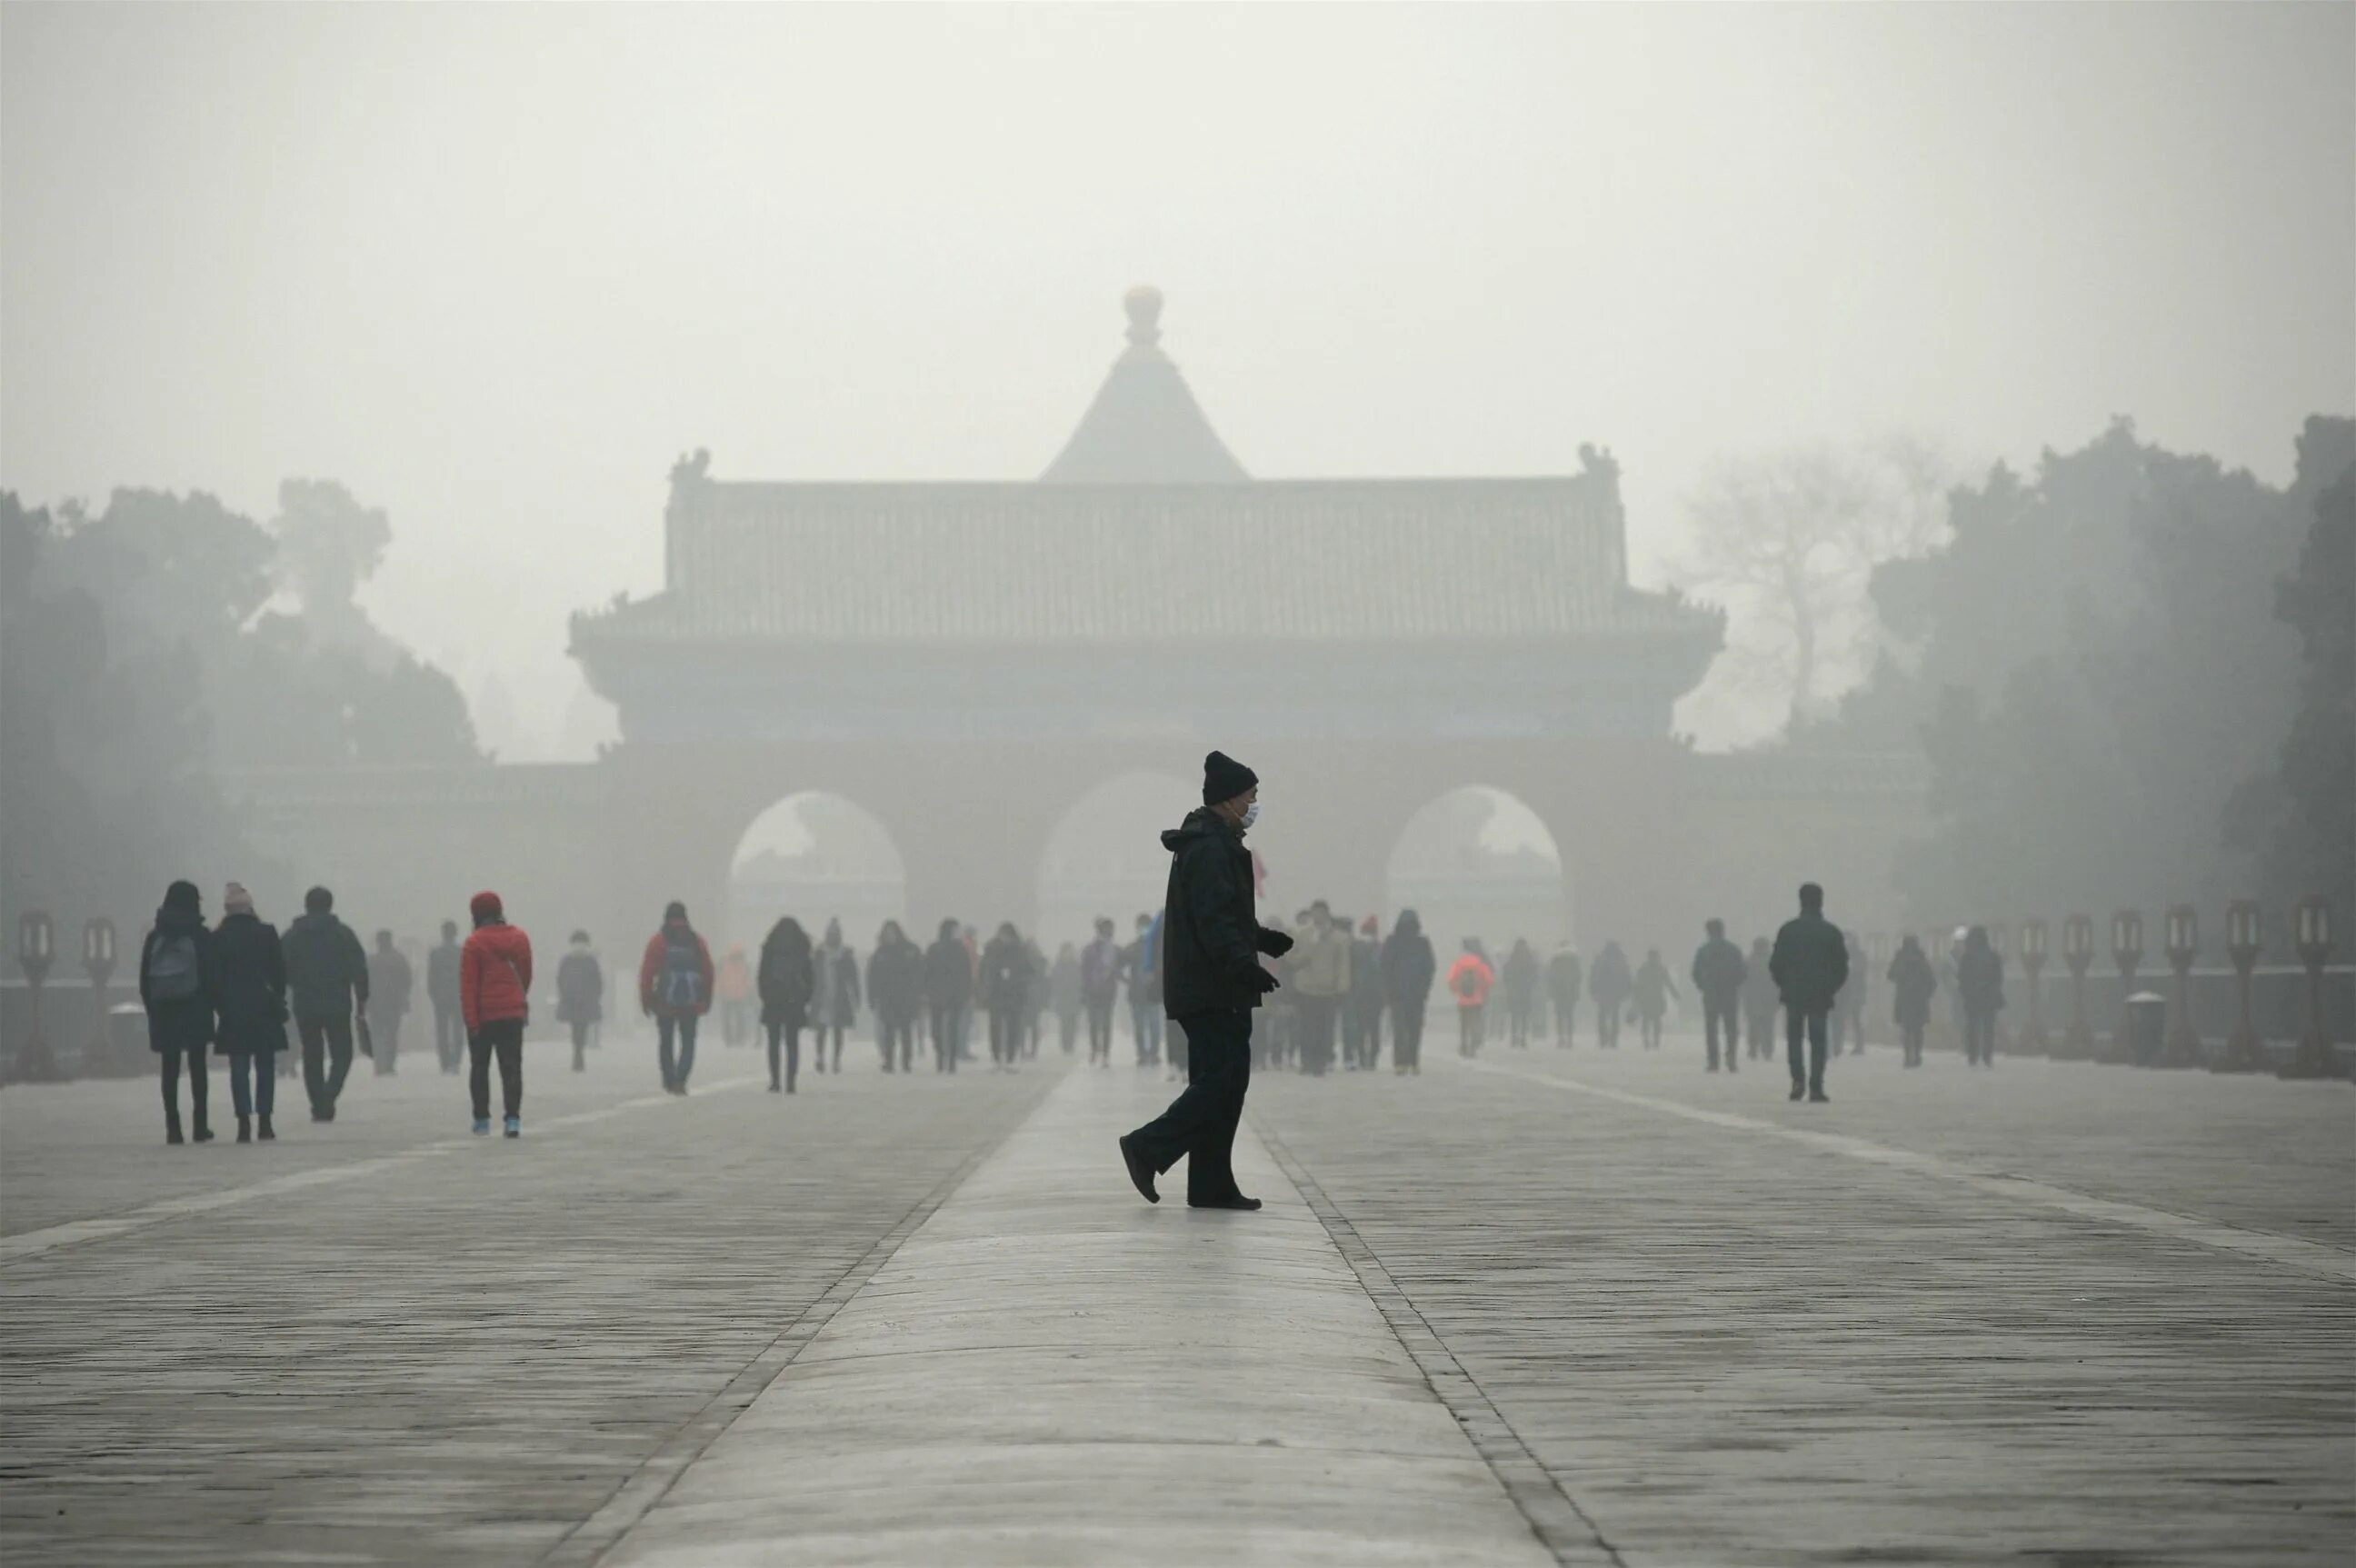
(1144, 304)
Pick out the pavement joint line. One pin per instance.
(2315, 1258)
(81, 1232)
(1554, 1515)
(589, 1541)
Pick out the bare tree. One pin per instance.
(1788, 543)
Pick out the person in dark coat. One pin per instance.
(896, 990)
(1655, 990)
(834, 1006)
(1409, 966)
(1563, 980)
(442, 991)
(1759, 999)
(1034, 1000)
(1810, 964)
(1362, 1039)
(328, 978)
(174, 971)
(391, 980)
(949, 987)
(1005, 992)
(1211, 980)
(1911, 980)
(580, 994)
(1718, 973)
(787, 979)
(1099, 989)
(1520, 979)
(1979, 977)
(249, 989)
(1144, 992)
(1608, 982)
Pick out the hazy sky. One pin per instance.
(494, 267)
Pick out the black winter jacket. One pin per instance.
(1407, 967)
(1810, 962)
(1211, 943)
(249, 985)
(178, 1022)
(1718, 970)
(326, 969)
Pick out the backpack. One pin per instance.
(172, 969)
(680, 984)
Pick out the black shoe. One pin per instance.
(1140, 1174)
(1238, 1201)
(267, 1135)
(245, 1129)
(172, 1133)
(775, 1088)
(204, 1134)
(1818, 1097)
(1799, 1091)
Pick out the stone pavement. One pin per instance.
(1544, 1306)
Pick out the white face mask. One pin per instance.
(1251, 813)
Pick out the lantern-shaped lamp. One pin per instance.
(2311, 925)
(2032, 942)
(2312, 928)
(2242, 931)
(1997, 930)
(2184, 935)
(36, 942)
(98, 946)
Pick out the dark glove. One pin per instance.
(1264, 980)
(1275, 944)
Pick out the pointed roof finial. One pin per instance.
(1144, 427)
(1144, 304)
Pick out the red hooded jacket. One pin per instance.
(495, 975)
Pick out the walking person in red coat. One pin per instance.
(493, 988)
(675, 989)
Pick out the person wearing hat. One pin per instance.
(1211, 980)
(249, 1008)
(494, 992)
(174, 975)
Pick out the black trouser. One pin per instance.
(682, 1025)
(1173, 1037)
(1005, 1033)
(1200, 1125)
(326, 1059)
(1100, 1030)
(1979, 1039)
(1910, 1035)
(1719, 1013)
(945, 1037)
(1407, 1055)
(449, 1038)
(1566, 1020)
(198, 1084)
(791, 1036)
(900, 1033)
(1318, 1015)
(1517, 1024)
(1607, 1026)
(253, 1082)
(580, 1045)
(1806, 1026)
(504, 1038)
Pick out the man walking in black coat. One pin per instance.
(1718, 973)
(1810, 965)
(326, 972)
(1211, 980)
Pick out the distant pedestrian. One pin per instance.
(1609, 982)
(249, 987)
(580, 994)
(1979, 977)
(788, 979)
(949, 987)
(1564, 981)
(1520, 977)
(1362, 1009)
(1408, 968)
(1211, 980)
(834, 1006)
(1144, 993)
(675, 988)
(1099, 989)
(1321, 981)
(1912, 982)
(1719, 971)
(495, 995)
(442, 991)
(731, 989)
(1063, 995)
(390, 981)
(1810, 964)
(175, 972)
(1759, 1002)
(1848, 1011)
(1035, 998)
(327, 976)
(1468, 980)
(895, 991)
(1005, 986)
(1654, 992)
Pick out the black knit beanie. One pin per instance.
(1223, 779)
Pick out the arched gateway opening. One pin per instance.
(1478, 862)
(816, 856)
(1105, 856)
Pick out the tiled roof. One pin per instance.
(1280, 560)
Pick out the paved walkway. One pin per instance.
(1544, 1306)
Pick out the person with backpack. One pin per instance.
(580, 996)
(1608, 982)
(1912, 982)
(495, 999)
(733, 987)
(895, 991)
(1099, 989)
(442, 991)
(675, 990)
(327, 976)
(1468, 980)
(787, 980)
(1407, 965)
(948, 986)
(175, 976)
(1718, 973)
(391, 980)
(249, 990)
(1564, 978)
(1005, 990)
(834, 1007)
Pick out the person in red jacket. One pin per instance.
(494, 989)
(1468, 980)
(675, 988)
